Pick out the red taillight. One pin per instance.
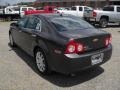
(108, 41)
(94, 14)
(74, 47)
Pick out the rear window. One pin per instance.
(70, 23)
(108, 8)
(118, 9)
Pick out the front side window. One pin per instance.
(70, 23)
(22, 22)
(34, 23)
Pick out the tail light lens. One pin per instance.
(108, 41)
(94, 14)
(74, 47)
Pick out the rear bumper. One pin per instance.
(90, 19)
(70, 63)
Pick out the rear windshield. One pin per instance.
(70, 23)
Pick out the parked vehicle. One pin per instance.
(13, 12)
(62, 8)
(109, 13)
(46, 9)
(75, 10)
(61, 43)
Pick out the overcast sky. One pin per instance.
(2, 2)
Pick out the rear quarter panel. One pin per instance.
(110, 14)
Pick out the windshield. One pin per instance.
(70, 23)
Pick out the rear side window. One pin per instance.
(73, 8)
(38, 24)
(108, 9)
(118, 9)
(80, 9)
(30, 23)
(22, 22)
(34, 23)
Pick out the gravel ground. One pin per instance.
(18, 70)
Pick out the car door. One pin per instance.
(73, 11)
(80, 11)
(16, 31)
(29, 35)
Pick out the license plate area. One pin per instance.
(96, 59)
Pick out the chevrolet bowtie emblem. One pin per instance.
(95, 40)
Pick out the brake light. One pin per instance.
(74, 47)
(108, 41)
(94, 14)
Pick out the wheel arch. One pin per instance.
(40, 46)
(104, 16)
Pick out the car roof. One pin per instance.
(52, 15)
(49, 16)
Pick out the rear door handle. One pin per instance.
(33, 35)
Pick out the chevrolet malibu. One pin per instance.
(61, 43)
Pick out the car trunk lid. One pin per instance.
(91, 39)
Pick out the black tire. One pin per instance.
(41, 62)
(12, 43)
(103, 22)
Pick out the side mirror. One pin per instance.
(14, 24)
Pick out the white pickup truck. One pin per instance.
(75, 10)
(109, 14)
(14, 12)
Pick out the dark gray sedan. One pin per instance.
(61, 43)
